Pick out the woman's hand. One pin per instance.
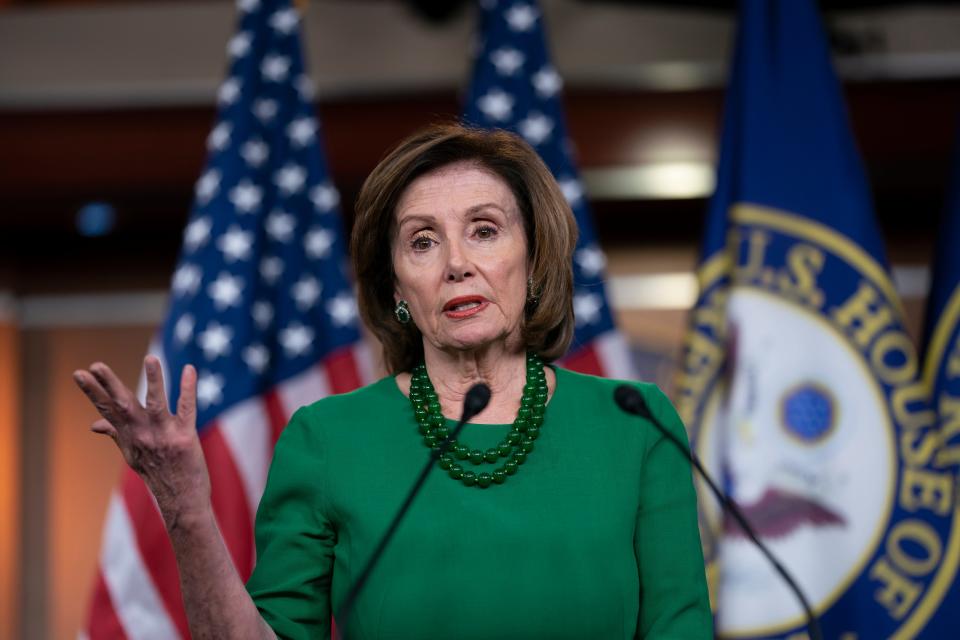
(160, 447)
(165, 451)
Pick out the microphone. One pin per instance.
(631, 401)
(476, 400)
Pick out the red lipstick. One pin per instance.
(464, 307)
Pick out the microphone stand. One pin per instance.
(477, 398)
(631, 401)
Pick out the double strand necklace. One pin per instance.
(515, 447)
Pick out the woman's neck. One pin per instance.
(453, 373)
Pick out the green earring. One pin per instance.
(402, 312)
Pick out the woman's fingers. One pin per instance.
(97, 395)
(156, 403)
(104, 427)
(187, 404)
(122, 397)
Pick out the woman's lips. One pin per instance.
(464, 307)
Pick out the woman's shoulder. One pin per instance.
(583, 386)
(335, 418)
(588, 383)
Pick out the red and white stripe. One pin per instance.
(137, 589)
(608, 355)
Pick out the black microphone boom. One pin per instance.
(631, 401)
(476, 400)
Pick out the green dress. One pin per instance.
(594, 537)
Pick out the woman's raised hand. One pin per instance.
(163, 448)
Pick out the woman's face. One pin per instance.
(460, 258)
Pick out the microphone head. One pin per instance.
(476, 400)
(630, 400)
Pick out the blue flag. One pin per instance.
(799, 383)
(941, 372)
(516, 87)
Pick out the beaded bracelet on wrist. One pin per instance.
(514, 448)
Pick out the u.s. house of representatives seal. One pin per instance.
(803, 394)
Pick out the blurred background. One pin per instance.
(104, 111)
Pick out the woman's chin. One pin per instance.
(474, 340)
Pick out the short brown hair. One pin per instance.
(551, 230)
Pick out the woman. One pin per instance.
(554, 515)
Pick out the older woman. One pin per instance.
(554, 515)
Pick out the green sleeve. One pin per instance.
(291, 582)
(673, 601)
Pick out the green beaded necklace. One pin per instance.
(514, 447)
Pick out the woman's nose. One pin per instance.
(458, 264)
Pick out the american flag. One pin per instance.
(259, 304)
(515, 87)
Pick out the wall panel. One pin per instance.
(81, 467)
(9, 472)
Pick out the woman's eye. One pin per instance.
(421, 243)
(485, 232)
